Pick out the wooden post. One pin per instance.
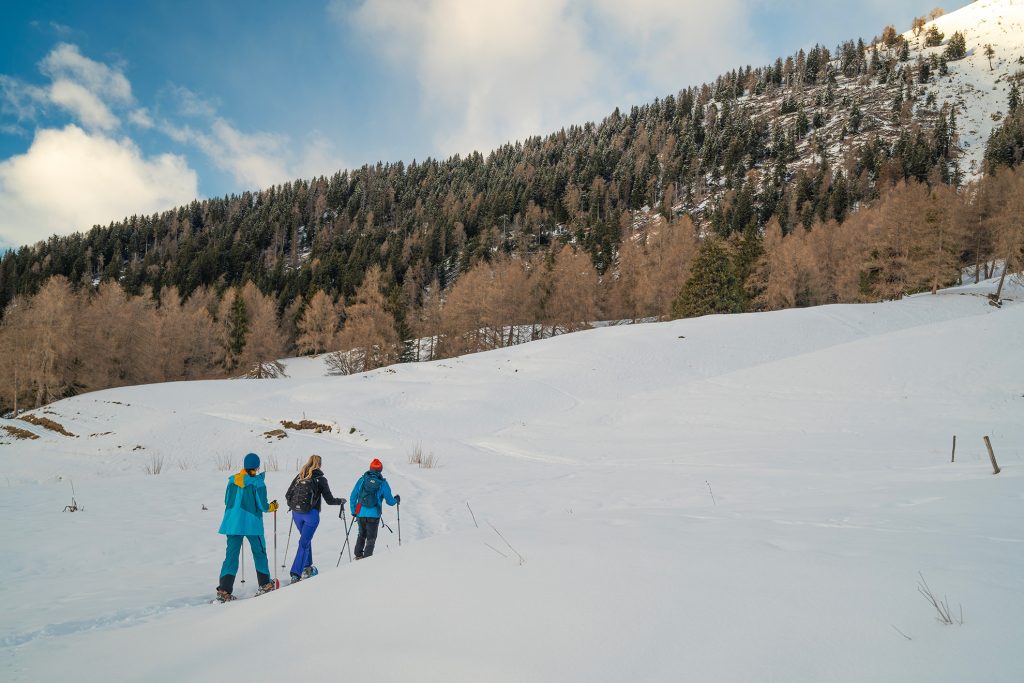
(952, 458)
(991, 456)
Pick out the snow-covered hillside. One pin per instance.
(734, 498)
(979, 89)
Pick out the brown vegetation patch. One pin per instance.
(276, 434)
(306, 424)
(19, 433)
(47, 423)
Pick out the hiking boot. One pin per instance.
(267, 587)
(309, 572)
(224, 596)
(296, 578)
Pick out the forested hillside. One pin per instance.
(832, 175)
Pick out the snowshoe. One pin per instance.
(296, 578)
(224, 596)
(309, 571)
(271, 585)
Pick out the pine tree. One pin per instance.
(713, 286)
(236, 329)
(957, 47)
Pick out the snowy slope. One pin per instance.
(733, 498)
(979, 90)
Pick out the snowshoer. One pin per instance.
(307, 490)
(245, 501)
(367, 496)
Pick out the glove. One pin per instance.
(398, 500)
(273, 506)
(343, 501)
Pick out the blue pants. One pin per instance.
(230, 566)
(306, 524)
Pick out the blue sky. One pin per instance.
(109, 109)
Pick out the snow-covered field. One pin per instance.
(736, 498)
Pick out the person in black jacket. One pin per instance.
(304, 496)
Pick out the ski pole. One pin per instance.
(344, 522)
(275, 546)
(288, 544)
(399, 511)
(347, 532)
(243, 560)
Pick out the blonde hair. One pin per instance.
(312, 464)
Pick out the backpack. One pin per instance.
(369, 496)
(300, 495)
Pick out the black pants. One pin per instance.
(367, 537)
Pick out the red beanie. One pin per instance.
(376, 465)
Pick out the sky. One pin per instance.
(109, 109)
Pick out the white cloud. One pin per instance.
(87, 89)
(190, 103)
(260, 159)
(70, 179)
(19, 99)
(65, 62)
(141, 118)
(491, 71)
(83, 104)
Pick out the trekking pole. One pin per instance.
(399, 511)
(344, 522)
(275, 546)
(288, 544)
(347, 532)
(243, 562)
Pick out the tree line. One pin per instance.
(915, 238)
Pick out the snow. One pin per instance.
(728, 498)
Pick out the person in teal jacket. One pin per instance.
(245, 501)
(368, 495)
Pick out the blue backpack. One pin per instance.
(369, 496)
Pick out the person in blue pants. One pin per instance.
(245, 501)
(368, 496)
(305, 494)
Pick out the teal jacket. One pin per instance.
(245, 501)
(383, 496)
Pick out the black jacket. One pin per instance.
(321, 490)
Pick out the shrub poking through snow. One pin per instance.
(306, 424)
(418, 458)
(276, 434)
(944, 613)
(19, 433)
(47, 423)
(155, 464)
(270, 463)
(224, 462)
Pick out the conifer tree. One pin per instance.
(318, 326)
(235, 328)
(265, 344)
(368, 339)
(713, 286)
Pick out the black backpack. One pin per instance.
(371, 489)
(300, 495)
